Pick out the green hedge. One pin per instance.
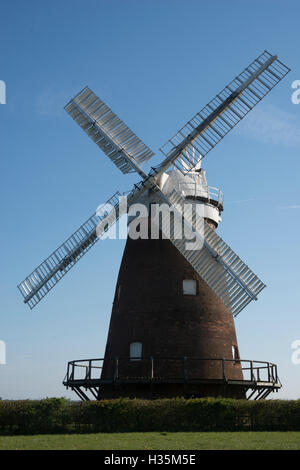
(55, 415)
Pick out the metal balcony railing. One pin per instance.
(156, 368)
(210, 193)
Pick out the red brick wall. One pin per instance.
(152, 309)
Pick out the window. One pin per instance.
(235, 353)
(135, 351)
(119, 291)
(189, 287)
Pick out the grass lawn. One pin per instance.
(155, 441)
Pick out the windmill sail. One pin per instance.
(218, 265)
(53, 269)
(106, 129)
(208, 127)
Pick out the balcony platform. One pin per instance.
(84, 378)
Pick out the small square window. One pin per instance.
(135, 351)
(189, 287)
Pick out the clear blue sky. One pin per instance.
(156, 63)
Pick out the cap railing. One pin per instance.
(207, 192)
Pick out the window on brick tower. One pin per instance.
(189, 286)
(135, 351)
(235, 353)
(119, 291)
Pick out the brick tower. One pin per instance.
(165, 319)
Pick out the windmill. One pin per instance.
(171, 329)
